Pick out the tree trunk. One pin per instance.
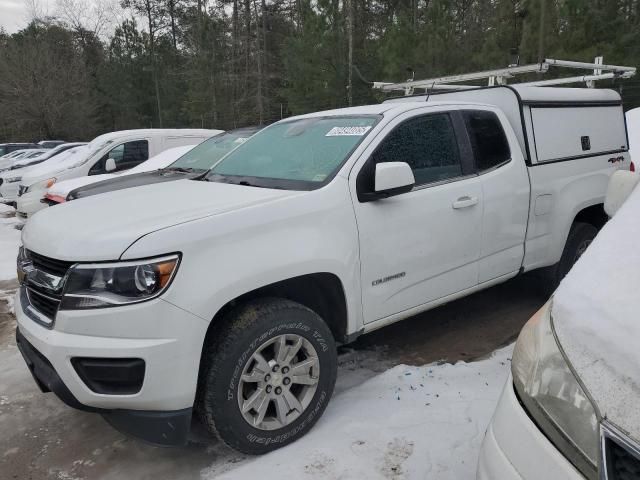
(172, 17)
(350, 54)
(260, 79)
(154, 64)
(247, 41)
(234, 62)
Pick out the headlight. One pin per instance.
(102, 285)
(42, 185)
(13, 179)
(552, 394)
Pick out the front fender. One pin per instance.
(225, 256)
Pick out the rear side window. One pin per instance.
(489, 143)
(428, 144)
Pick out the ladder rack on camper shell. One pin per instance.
(502, 75)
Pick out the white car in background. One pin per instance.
(570, 408)
(22, 162)
(8, 160)
(8, 187)
(50, 153)
(171, 165)
(10, 178)
(108, 153)
(61, 190)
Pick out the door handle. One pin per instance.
(465, 202)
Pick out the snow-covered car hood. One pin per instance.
(61, 162)
(163, 159)
(63, 188)
(102, 227)
(596, 313)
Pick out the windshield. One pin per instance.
(94, 146)
(67, 158)
(295, 155)
(206, 154)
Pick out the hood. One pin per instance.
(596, 314)
(121, 182)
(104, 226)
(61, 162)
(63, 188)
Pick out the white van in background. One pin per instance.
(111, 152)
(633, 131)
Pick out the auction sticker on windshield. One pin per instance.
(347, 131)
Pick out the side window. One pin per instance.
(428, 144)
(126, 155)
(489, 143)
(134, 153)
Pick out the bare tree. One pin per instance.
(95, 17)
(37, 10)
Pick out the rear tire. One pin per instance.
(580, 237)
(267, 375)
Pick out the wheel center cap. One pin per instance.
(276, 379)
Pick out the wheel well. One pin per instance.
(320, 292)
(594, 215)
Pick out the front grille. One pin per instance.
(45, 303)
(49, 265)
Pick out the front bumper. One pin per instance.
(9, 192)
(515, 449)
(29, 203)
(167, 338)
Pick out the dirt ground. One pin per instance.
(43, 438)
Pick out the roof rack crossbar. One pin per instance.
(501, 75)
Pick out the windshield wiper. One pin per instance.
(176, 169)
(231, 180)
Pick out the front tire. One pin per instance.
(267, 376)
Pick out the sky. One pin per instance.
(16, 14)
(13, 15)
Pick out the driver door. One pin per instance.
(423, 245)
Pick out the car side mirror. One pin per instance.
(621, 184)
(110, 165)
(393, 178)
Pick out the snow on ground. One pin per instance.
(9, 242)
(408, 422)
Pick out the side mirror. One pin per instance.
(621, 184)
(393, 178)
(110, 165)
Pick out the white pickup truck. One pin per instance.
(224, 295)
